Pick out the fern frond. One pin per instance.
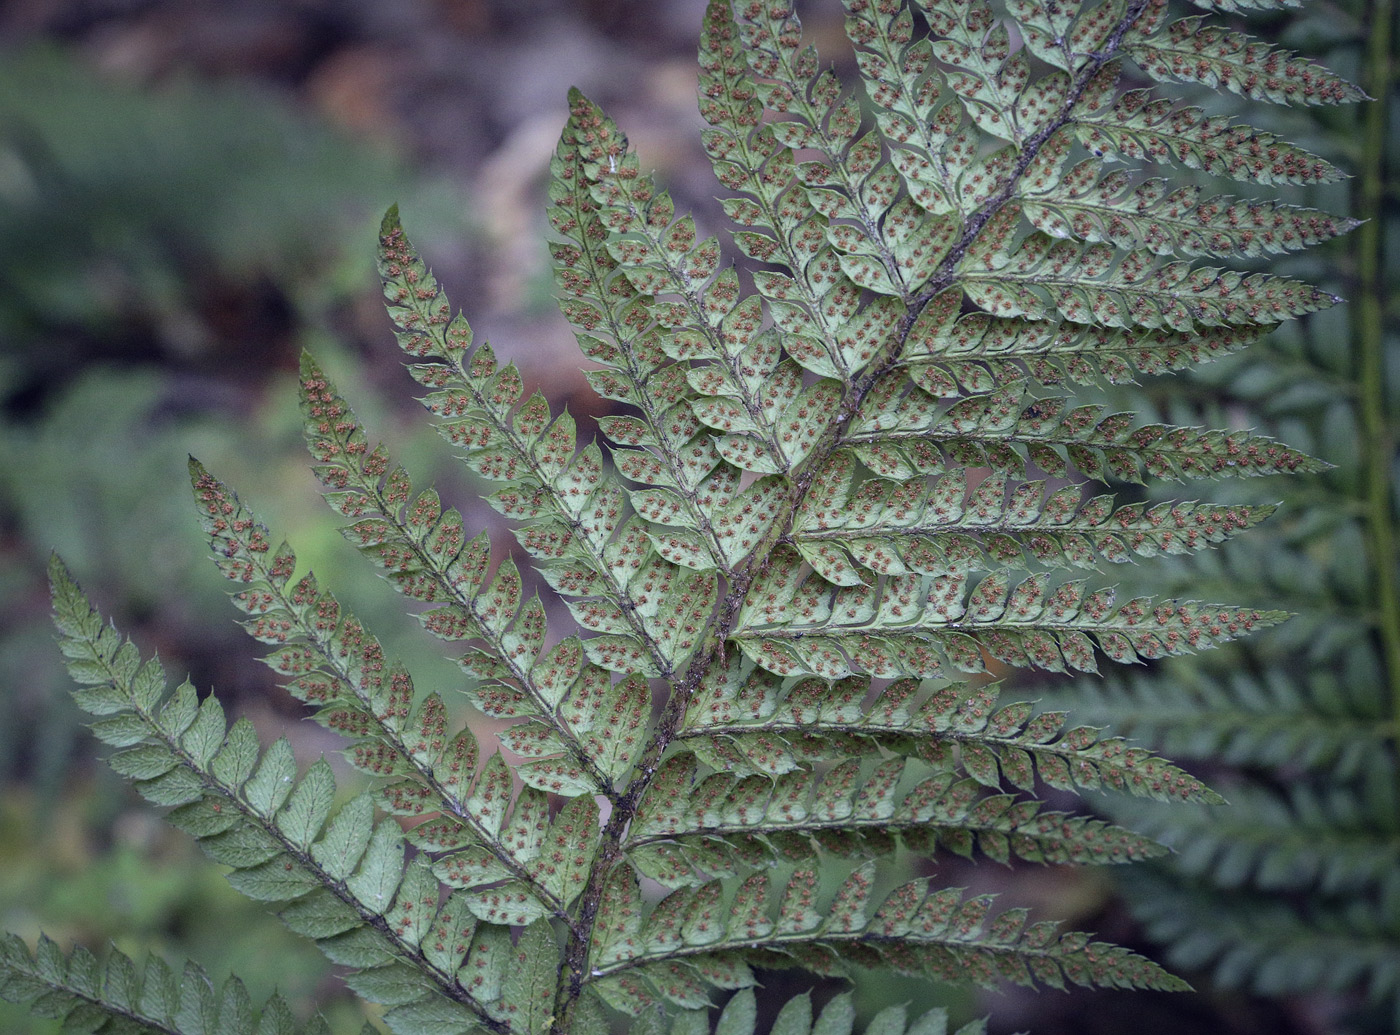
(849, 532)
(797, 624)
(1260, 943)
(1091, 206)
(426, 557)
(688, 829)
(362, 696)
(768, 419)
(1090, 283)
(837, 1017)
(996, 430)
(976, 353)
(1190, 51)
(1139, 126)
(848, 474)
(666, 446)
(1280, 718)
(749, 159)
(575, 513)
(1232, 6)
(1291, 891)
(883, 242)
(359, 692)
(1337, 839)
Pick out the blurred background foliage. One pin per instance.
(188, 197)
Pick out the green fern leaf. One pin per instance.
(996, 430)
(258, 819)
(937, 934)
(1092, 284)
(794, 623)
(739, 1017)
(1091, 206)
(1291, 892)
(1257, 940)
(888, 527)
(745, 722)
(847, 474)
(116, 995)
(730, 825)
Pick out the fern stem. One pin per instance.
(1378, 436)
(673, 714)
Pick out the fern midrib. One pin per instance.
(894, 825)
(806, 937)
(1085, 623)
(447, 983)
(1147, 454)
(1378, 437)
(625, 807)
(1047, 523)
(878, 732)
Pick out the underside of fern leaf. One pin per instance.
(824, 515)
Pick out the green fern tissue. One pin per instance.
(827, 511)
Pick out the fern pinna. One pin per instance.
(826, 512)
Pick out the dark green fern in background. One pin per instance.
(840, 496)
(1295, 888)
